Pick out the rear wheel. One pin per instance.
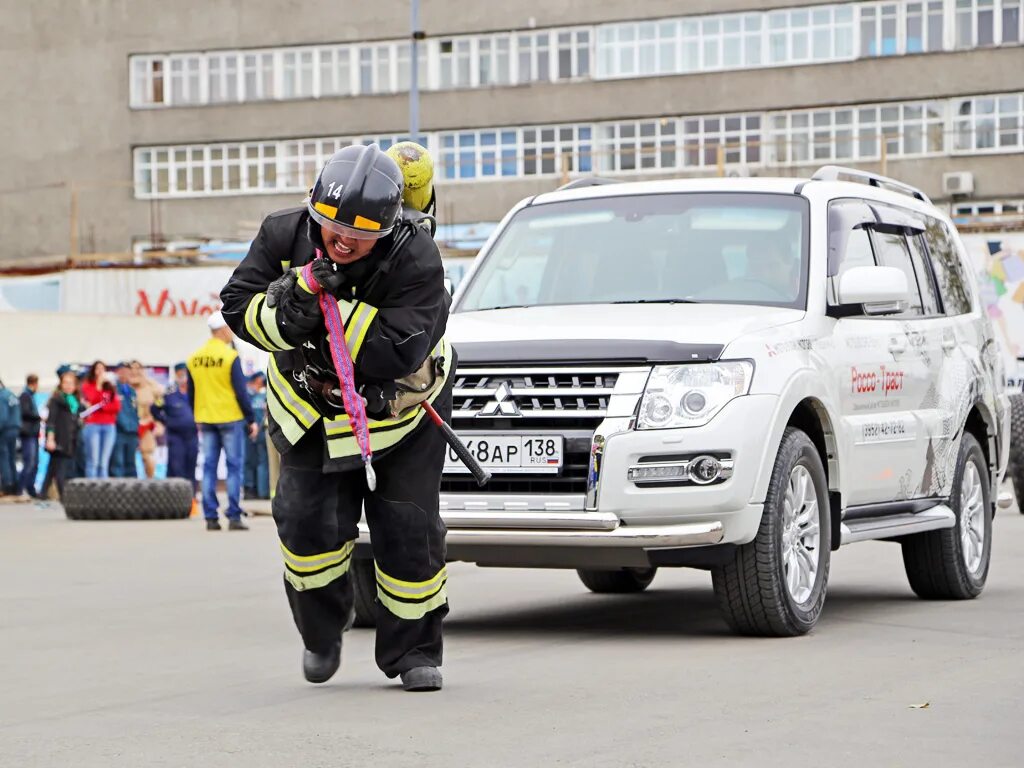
(1015, 470)
(364, 588)
(952, 563)
(775, 585)
(620, 581)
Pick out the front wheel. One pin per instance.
(617, 582)
(952, 563)
(775, 585)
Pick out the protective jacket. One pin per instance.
(394, 307)
(29, 414)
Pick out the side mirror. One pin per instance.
(881, 290)
(449, 285)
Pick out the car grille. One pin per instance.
(570, 402)
(538, 394)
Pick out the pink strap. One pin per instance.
(355, 407)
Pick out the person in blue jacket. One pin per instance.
(126, 441)
(257, 466)
(10, 426)
(182, 438)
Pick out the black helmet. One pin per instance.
(358, 193)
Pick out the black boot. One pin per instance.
(213, 525)
(237, 524)
(320, 667)
(422, 679)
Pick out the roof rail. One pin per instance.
(587, 181)
(838, 172)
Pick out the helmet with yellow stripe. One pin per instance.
(358, 193)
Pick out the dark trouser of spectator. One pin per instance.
(29, 465)
(8, 460)
(58, 471)
(257, 467)
(182, 453)
(122, 460)
(229, 437)
(80, 458)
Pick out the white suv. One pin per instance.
(739, 375)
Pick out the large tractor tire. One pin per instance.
(1015, 470)
(127, 499)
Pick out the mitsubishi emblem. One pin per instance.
(502, 403)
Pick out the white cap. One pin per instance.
(216, 321)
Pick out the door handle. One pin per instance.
(897, 346)
(949, 343)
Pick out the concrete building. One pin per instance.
(133, 120)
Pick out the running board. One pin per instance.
(886, 527)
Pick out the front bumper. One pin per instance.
(619, 523)
(562, 539)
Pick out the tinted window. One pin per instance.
(925, 279)
(857, 253)
(892, 252)
(712, 248)
(949, 271)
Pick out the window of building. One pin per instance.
(948, 268)
(573, 54)
(857, 133)
(989, 123)
(297, 73)
(258, 69)
(879, 29)
(737, 137)
(336, 70)
(223, 77)
(147, 80)
(981, 23)
(924, 26)
(184, 79)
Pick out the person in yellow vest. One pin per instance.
(220, 401)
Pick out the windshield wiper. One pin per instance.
(502, 306)
(657, 301)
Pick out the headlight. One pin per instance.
(690, 395)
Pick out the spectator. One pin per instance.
(257, 468)
(148, 393)
(126, 443)
(29, 437)
(221, 406)
(176, 415)
(102, 405)
(62, 417)
(10, 425)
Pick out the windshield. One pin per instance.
(709, 248)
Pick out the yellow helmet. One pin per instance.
(417, 168)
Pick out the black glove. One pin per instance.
(330, 276)
(297, 308)
(377, 397)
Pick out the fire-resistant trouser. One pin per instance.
(317, 515)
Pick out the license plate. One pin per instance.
(510, 454)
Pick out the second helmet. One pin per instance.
(358, 193)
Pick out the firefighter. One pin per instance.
(384, 271)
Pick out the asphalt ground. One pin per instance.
(160, 644)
